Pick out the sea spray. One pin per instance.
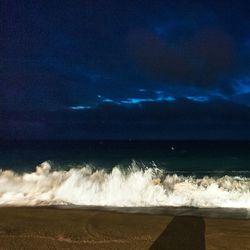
(134, 187)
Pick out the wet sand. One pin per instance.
(52, 228)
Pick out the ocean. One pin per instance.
(149, 175)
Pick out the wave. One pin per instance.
(133, 187)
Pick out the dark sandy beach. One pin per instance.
(51, 228)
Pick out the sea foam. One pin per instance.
(133, 187)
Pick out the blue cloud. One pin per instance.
(80, 107)
(198, 98)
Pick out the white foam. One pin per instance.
(133, 187)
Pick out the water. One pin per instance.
(185, 157)
(142, 175)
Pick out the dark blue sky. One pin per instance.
(108, 69)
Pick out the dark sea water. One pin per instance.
(127, 174)
(186, 157)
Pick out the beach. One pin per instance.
(55, 228)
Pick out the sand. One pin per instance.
(53, 228)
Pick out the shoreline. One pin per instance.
(77, 228)
(206, 212)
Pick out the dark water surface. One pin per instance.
(182, 157)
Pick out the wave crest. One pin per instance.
(134, 187)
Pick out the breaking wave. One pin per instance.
(134, 187)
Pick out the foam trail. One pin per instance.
(135, 187)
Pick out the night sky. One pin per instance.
(109, 69)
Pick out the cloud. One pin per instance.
(183, 118)
(206, 58)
